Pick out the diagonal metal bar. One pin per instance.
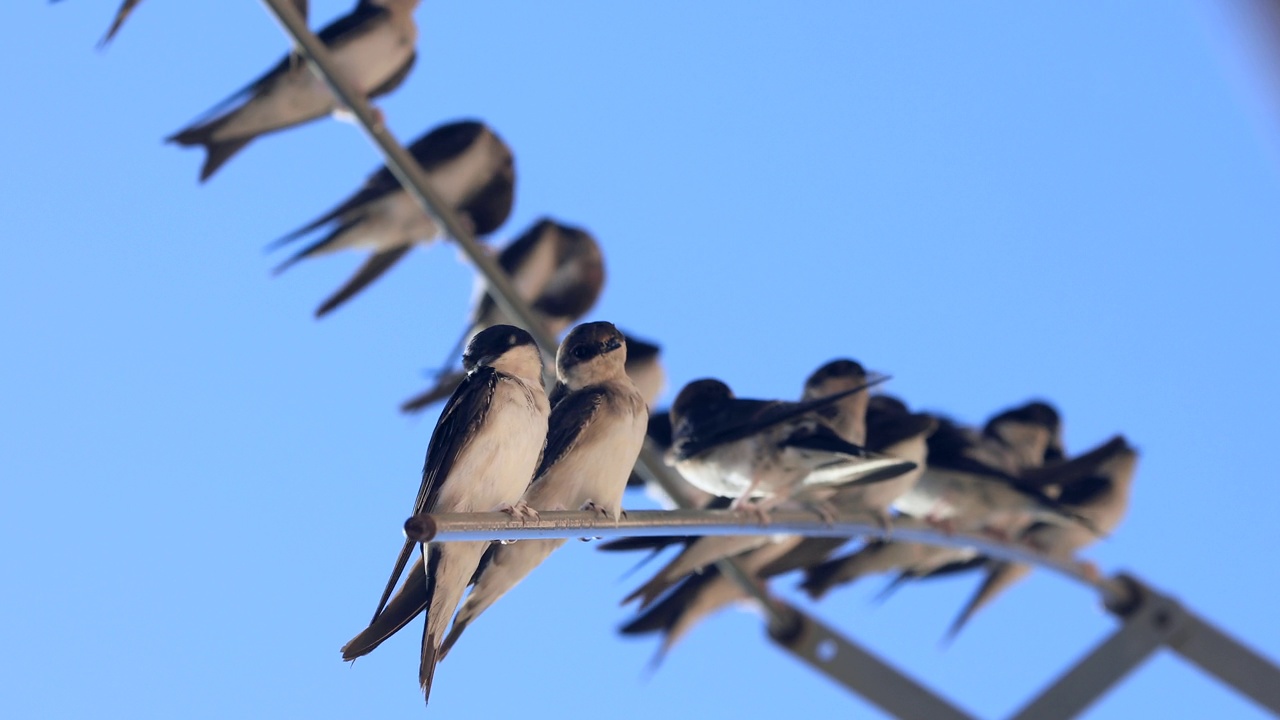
(1105, 666)
(1153, 620)
(410, 175)
(1204, 645)
(864, 673)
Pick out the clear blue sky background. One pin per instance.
(203, 487)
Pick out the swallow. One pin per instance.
(1016, 441)
(595, 434)
(1020, 438)
(1099, 491)
(558, 269)
(469, 167)
(374, 45)
(481, 457)
(891, 430)
(845, 416)
(961, 489)
(745, 449)
(699, 596)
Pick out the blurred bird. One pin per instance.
(964, 487)
(769, 449)
(469, 167)
(595, 434)
(373, 46)
(1012, 443)
(1099, 491)
(481, 458)
(557, 269)
(699, 596)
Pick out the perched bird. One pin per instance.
(1098, 491)
(891, 430)
(743, 449)
(964, 488)
(482, 455)
(557, 269)
(845, 416)
(594, 437)
(373, 46)
(1011, 444)
(469, 167)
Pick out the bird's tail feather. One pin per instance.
(1000, 577)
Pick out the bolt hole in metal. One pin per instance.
(826, 650)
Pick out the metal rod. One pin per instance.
(1202, 644)
(1096, 673)
(864, 673)
(449, 527)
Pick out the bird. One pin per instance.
(972, 481)
(481, 458)
(1011, 443)
(849, 418)
(470, 168)
(893, 430)
(743, 449)
(699, 596)
(595, 433)
(558, 269)
(1098, 489)
(373, 46)
(845, 416)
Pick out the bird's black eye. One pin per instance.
(582, 352)
(511, 340)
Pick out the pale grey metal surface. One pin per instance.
(650, 523)
(859, 670)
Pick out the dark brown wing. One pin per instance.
(462, 416)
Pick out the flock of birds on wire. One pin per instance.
(502, 442)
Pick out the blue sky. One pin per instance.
(992, 202)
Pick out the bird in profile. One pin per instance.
(846, 416)
(557, 269)
(374, 46)
(973, 481)
(469, 167)
(1098, 489)
(595, 433)
(766, 449)
(481, 458)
